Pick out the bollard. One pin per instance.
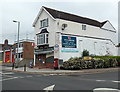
(25, 68)
(13, 66)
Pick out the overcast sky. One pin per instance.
(25, 12)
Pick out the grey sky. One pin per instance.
(25, 12)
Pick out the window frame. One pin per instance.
(42, 38)
(84, 27)
(44, 23)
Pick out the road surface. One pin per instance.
(24, 81)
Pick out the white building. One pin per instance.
(63, 35)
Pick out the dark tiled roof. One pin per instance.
(44, 31)
(74, 18)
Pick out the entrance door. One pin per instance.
(43, 57)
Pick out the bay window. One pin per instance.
(42, 39)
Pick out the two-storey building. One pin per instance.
(61, 35)
(24, 52)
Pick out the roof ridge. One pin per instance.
(47, 8)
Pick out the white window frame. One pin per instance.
(44, 23)
(42, 38)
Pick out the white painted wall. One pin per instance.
(50, 28)
(92, 31)
(119, 51)
(94, 46)
(108, 26)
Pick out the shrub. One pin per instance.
(72, 64)
(108, 61)
(96, 62)
(85, 53)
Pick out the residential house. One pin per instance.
(61, 35)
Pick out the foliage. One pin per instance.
(85, 53)
(96, 62)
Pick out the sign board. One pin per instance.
(56, 48)
(69, 50)
(87, 58)
(69, 42)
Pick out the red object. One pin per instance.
(56, 63)
(7, 57)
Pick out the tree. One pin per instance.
(85, 53)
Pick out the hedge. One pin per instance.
(97, 62)
(111, 57)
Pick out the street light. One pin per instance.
(17, 38)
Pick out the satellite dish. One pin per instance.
(64, 26)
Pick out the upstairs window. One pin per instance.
(83, 27)
(42, 39)
(20, 45)
(44, 23)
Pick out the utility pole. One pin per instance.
(17, 39)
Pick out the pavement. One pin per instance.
(52, 71)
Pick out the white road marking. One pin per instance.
(53, 74)
(116, 81)
(100, 80)
(9, 79)
(46, 75)
(21, 77)
(7, 73)
(107, 81)
(50, 88)
(105, 90)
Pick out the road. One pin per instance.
(24, 81)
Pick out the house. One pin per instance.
(61, 35)
(24, 53)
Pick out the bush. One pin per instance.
(109, 61)
(97, 62)
(85, 53)
(72, 64)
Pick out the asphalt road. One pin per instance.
(23, 81)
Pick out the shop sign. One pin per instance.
(87, 58)
(69, 42)
(69, 50)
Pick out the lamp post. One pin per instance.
(17, 38)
